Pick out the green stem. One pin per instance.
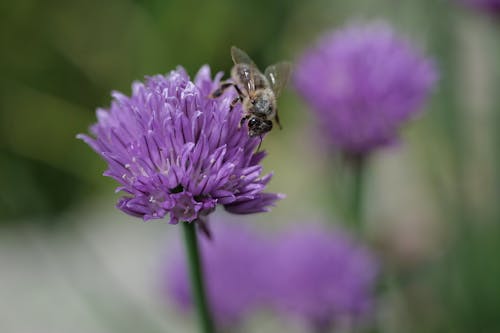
(496, 117)
(197, 287)
(358, 179)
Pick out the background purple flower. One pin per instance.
(175, 151)
(363, 82)
(492, 6)
(321, 276)
(234, 267)
(310, 273)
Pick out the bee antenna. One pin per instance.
(260, 143)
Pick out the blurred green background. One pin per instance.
(70, 262)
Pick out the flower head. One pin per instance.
(322, 276)
(234, 272)
(363, 82)
(176, 151)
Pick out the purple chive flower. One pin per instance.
(322, 277)
(234, 272)
(175, 151)
(492, 6)
(363, 82)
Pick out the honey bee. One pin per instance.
(257, 92)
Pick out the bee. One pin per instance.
(257, 92)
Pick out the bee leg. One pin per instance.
(242, 121)
(278, 120)
(239, 98)
(234, 102)
(238, 90)
(219, 91)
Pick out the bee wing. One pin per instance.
(245, 75)
(240, 57)
(278, 75)
(246, 68)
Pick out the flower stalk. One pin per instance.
(358, 164)
(196, 276)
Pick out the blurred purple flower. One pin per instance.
(175, 151)
(234, 269)
(363, 82)
(492, 6)
(322, 277)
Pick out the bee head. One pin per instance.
(258, 126)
